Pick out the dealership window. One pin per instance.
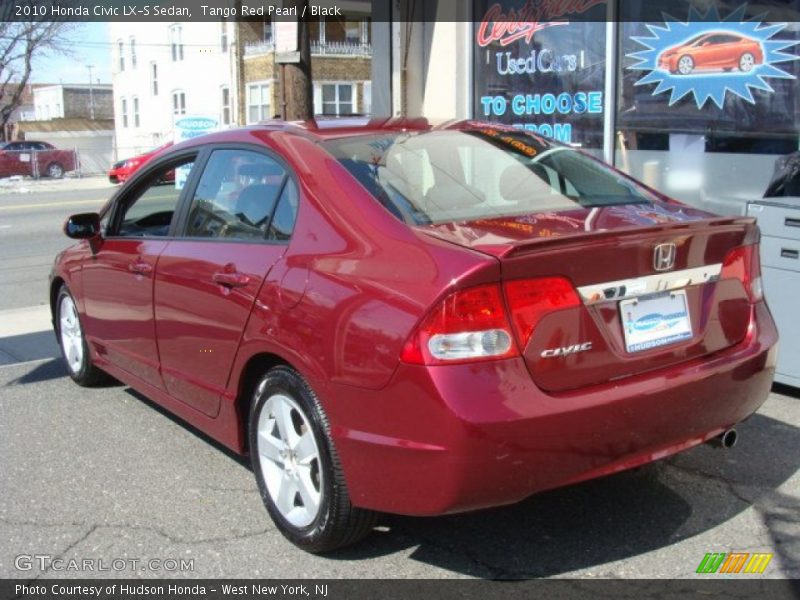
(121, 55)
(154, 78)
(693, 117)
(135, 101)
(132, 43)
(550, 82)
(225, 102)
(258, 102)
(335, 98)
(178, 103)
(124, 111)
(176, 42)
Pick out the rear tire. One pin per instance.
(296, 466)
(55, 170)
(72, 342)
(747, 62)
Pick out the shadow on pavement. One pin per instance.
(52, 369)
(604, 520)
(616, 517)
(30, 346)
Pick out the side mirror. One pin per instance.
(84, 226)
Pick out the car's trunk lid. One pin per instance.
(609, 255)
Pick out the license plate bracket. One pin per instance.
(654, 321)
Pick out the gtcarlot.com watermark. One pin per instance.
(47, 562)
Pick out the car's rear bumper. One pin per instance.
(456, 438)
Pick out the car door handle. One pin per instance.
(231, 280)
(140, 267)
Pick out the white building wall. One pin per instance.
(201, 73)
(48, 102)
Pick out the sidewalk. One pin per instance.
(27, 185)
(26, 334)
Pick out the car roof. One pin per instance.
(321, 128)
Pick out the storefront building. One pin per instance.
(695, 97)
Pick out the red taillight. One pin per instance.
(473, 325)
(530, 299)
(743, 263)
(467, 326)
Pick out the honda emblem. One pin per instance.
(664, 257)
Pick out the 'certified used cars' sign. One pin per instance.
(188, 127)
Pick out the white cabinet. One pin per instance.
(779, 221)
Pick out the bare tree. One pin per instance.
(20, 43)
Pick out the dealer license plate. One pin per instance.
(655, 321)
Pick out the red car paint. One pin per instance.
(717, 50)
(345, 300)
(121, 170)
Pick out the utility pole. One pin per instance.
(296, 77)
(91, 92)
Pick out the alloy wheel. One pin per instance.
(290, 460)
(685, 65)
(69, 327)
(747, 62)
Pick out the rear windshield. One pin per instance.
(453, 175)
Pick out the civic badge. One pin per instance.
(664, 257)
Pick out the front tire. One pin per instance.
(296, 466)
(685, 65)
(72, 342)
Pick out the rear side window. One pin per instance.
(236, 196)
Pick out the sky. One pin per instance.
(89, 44)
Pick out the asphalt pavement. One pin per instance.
(104, 474)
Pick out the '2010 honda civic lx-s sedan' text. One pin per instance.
(389, 316)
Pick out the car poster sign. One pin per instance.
(710, 59)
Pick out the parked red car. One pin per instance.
(413, 319)
(121, 170)
(713, 51)
(32, 158)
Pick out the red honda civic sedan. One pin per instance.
(391, 316)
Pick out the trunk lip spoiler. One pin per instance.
(513, 248)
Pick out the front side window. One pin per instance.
(257, 102)
(149, 210)
(236, 196)
(445, 176)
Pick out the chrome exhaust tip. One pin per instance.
(727, 439)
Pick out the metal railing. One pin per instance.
(317, 48)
